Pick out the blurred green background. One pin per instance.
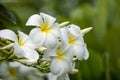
(102, 42)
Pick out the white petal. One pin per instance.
(34, 31)
(22, 36)
(56, 68)
(8, 34)
(79, 51)
(64, 35)
(74, 30)
(64, 31)
(37, 37)
(68, 53)
(30, 53)
(67, 77)
(34, 20)
(86, 55)
(51, 76)
(47, 19)
(80, 41)
(56, 30)
(18, 51)
(51, 41)
(26, 40)
(14, 64)
(49, 53)
(59, 67)
(30, 44)
(63, 77)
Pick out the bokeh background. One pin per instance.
(103, 41)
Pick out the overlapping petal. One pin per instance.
(37, 36)
(18, 51)
(30, 53)
(79, 51)
(67, 52)
(51, 76)
(51, 41)
(47, 19)
(59, 67)
(22, 36)
(64, 36)
(74, 30)
(26, 52)
(56, 30)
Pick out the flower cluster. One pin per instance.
(60, 44)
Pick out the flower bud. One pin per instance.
(64, 24)
(86, 30)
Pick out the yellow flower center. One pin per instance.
(71, 40)
(59, 55)
(20, 43)
(45, 28)
(12, 72)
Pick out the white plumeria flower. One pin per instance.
(47, 31)
(60, 63)
(27, 70)
(7, 72)
(23, 46)
(63, 76)
(73, 37)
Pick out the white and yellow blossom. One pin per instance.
(73, 37)
(47, 31)
(23, 46)
(60, 61)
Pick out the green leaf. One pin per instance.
(7, 19)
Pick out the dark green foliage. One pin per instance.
(7, 19)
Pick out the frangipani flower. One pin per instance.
(7, 72)
(61, 62)
(27, 70)
(47, 31)
(64, 76)
(23, 46)
(73, 37)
